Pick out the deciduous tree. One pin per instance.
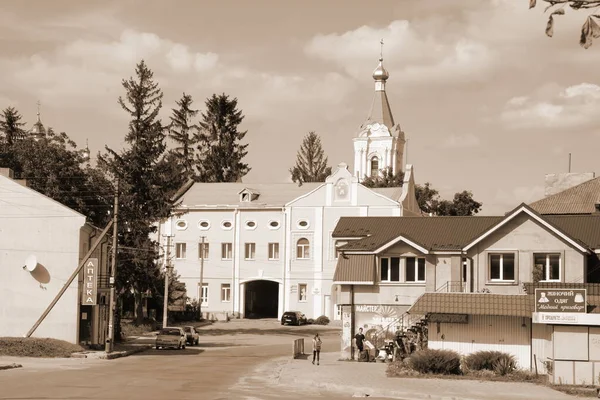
(591, 27)
(311, 162)
(386, 178)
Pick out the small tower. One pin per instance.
(380, 141)
(38, 131)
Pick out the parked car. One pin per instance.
(192, 336)
(293, 318)
(171, 337)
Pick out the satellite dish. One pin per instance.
(30, 263)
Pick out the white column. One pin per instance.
(237, 248)
(394, 157)
(364, 164)
(387, 157)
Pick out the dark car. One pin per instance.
(192, 336)
(293, 318)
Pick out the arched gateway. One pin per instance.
(261, 299)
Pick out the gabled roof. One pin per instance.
(524, 208)
(356, 270)
(580, 199)
(458, 233)
(433, 233)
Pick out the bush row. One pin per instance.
(449, 362)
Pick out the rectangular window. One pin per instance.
(250, 250)
(385, 272)
(273, 251)
(549, 265)
(204, 295)
(180, 250)
(415, 269)
(302, 288)
(226, 251)
(390, 269)
(502, 267)
(226, 292)
(203, 251)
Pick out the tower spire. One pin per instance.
(38, 110)
(381, 52)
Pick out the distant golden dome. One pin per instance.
(380, 73)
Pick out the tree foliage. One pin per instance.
(147, 180)
(53, 166)
(386, 178)
(590, 29)
(220, 154)
(311, 162)
(185, 134)
(430, 202)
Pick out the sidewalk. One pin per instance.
(358, 379)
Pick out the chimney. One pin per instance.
(556, 183)
(7, 172)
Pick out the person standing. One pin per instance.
(316, 348)
(359, 339)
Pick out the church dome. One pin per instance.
(380, 73)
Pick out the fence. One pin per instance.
(298, 347)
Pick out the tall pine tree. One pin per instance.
(146, 184)
(11, 130)
(184, 132)
(220, 154)
(311, 163)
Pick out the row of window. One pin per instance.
(204, 225)
(226, 293)
(302, 250)
(547, 267)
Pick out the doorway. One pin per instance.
(261, 299)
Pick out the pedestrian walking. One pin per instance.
(359, 338)
(317, 342)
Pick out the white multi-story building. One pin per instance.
(268, 247)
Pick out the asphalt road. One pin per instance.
(204, 372)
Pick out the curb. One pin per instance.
(101, 355)
(10, 366)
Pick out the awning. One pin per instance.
(355, 269)
(511, 305)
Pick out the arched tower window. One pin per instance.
(374, 167)
(302, 249)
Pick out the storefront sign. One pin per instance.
(90, 284)
(449, 318)
(560, 300)
(557, 318)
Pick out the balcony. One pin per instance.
(453, 287)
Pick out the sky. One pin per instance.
(487, 101)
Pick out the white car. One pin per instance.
(171, 337)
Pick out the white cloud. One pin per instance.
(574, 106)
(461, 141)
(415, 51)
(86, 70)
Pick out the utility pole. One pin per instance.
(167, 273)
(113, 272)
(201, 275)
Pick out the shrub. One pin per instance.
(430, 361)
(322, 320)
(500, 363)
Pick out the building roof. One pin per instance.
(454, 233)
(228, 194)
(580, 199)
(434, 233)
(521, 305)
(355, 270)
(393, 193)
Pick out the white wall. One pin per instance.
(35, 225)
(506, 334)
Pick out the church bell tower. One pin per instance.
(380, 141)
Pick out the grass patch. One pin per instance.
(37, 347)
(130, 328)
